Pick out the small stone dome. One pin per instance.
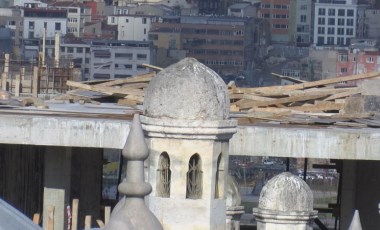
(187, 90)
(286, 192)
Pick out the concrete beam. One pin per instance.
(280, 141)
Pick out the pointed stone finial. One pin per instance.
(131, 213)
(355, 223)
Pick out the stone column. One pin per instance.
(286, 203)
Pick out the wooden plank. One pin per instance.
(280, 90)
(250, 104)
(152, 67)
(87, 222)
(249, 96)
(134, 79)
(106, 90)
(4, 82)
(36, 83)
(343, 94)
(135, 85)
(50, 220)
(74, 216)
(100, 223)
(292, 79)
(107, 214)
(323, 106)
(36, 218)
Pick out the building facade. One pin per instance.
(372, 23)
(304, 22)
(119, 59)
(281, 17)
(337, 22)
(131, 27)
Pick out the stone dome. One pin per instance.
(286, 193)
(187, 90)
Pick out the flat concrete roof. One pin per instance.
(254, 140)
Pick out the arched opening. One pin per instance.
(219, 177)
(163, 175)
(194, 178)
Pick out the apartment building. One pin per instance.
(77, 15)
(372, 22)
(225, 44)
(337, 22)
(131, 27)
(119, 59)
(36, 20)
(12, 18)
(304, 22)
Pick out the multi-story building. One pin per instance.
(12, 18)
(281, 15)
(372, 22)
(244, 9)
(225, 44)
(77, 15)
(131, 27)
(38, 20)
(336, 22)
(303, 22)
(119, 59)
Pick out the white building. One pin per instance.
(303, 22)
(119, 59)
(35, 20)
(336, 22)
(131, 27)
(28, 3)
(77, 15)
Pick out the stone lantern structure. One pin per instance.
(286, 203)
(187, 127)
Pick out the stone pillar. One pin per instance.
(187, 126)
(286, 203)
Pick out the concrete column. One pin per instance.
(57, 184)
(348, 192)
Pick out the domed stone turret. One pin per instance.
(286, 203)
(187, 90)
(286, 192)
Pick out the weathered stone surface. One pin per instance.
(187, 90)
(286, 192)
(362, 104)
(370, 87)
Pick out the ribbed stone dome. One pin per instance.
(187, 90)
(286, 192)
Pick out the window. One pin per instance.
(112, 19)
(62, 49)
(144, 30)
(141, 56)
(70, 50)
(71, 10)
(331, 12)
(31, 34)
(87, 50)
(350, 12)
(321, 11)
(127, 20)
(144, 21)
(321, 21)
(331, 30)
(369, 60)
(266, 6)
(303, 18)
(124, 55)
(163, 175)
(340, 41)
(331, 21)
(349, 31)
(194, 178)
(350, 22)
(343, 70)
(340, 21)
(128, 66)
(31, 25)
(321, 30)
(330, 40)
(45, 25)
(219, 177)
(79, 50)
(303, 7)
(340, 31)
(57, 26)
(341, 12)
(87, 60)
(343, 57)
(321, 40)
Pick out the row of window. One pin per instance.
(194, 177)
(332, 12)
(224, 62)
(338, 31)
(57, 25)
(275, 6)
(129, 56)
(280, 26)
(331, 41)
(78, 50)
(143, 20)
(344, 58)
(331, 21)
(213, 32)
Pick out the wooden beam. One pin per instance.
(36, 218)
(319, 107)
(74, 216)
(292, 79)
(135, 79)
(100, 223)
(343, 94)
(280, 90)
(152, 67)
(106, 90)
(87, 222)
(50, 220)
(107, 214)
